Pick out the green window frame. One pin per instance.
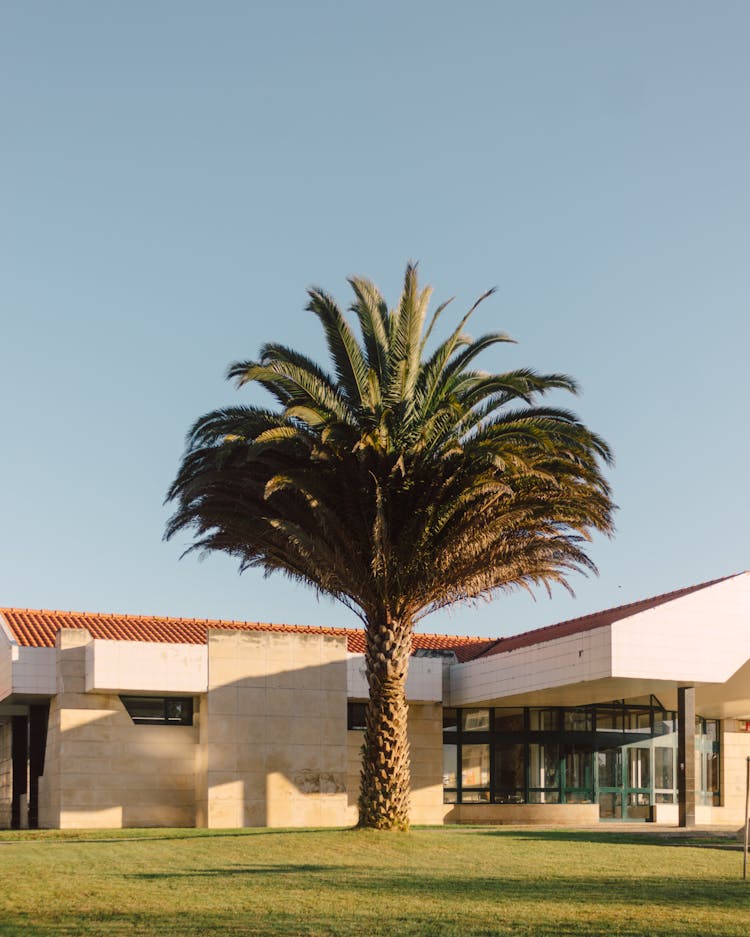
(565, 755)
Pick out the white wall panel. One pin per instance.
(572, 659)
(700, 638)
(138, 667)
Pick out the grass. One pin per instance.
(334, 883)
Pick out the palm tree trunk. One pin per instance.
(386, 780)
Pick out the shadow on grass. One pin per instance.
(270, 870)
(645, 838)
(625, 888)
(66, 837)
(569, 909)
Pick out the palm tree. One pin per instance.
(401, 484)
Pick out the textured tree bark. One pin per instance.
(386, 779)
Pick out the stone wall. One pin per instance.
(273, 743)
(102, 770)
(531, 814)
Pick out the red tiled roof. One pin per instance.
(588, 622)
(38, 627)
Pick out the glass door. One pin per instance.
(623, 780)
(637, 799)
(609, 783)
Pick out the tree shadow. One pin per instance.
(270, 870)
(624, 887)
(641, 837)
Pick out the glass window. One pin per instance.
(609, 720)
(577, 720)
(356, 716)
(510, 769)
(577, 769)
(579, 797)
(544, 762)
(475, 720)
(665, 722)
(450, 765)
(711, 777)
(710, 730)
(543, 720)
(544, 797)
(450, 797)
(144, 710)
(610, 806)
(638, 800)
(475, 766)
(639, 773)
(179, 710)
(638, 807)
(475, 797)
(609, 767)
(509, 720)
(159, 710)
(663, 768)
(450, 720)
(707, 760)
(638, 720)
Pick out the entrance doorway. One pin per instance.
(624, 782)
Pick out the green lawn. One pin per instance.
(432, 883)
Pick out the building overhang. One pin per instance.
(700, 640)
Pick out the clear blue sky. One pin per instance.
(175, 174)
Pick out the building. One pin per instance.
(639, 712)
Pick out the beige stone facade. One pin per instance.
(101, 770)
(273, 731)
(268, 745)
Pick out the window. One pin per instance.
(664, 768)
(544, 763)
(543, 720)
(450, 765)
(475, 766)
(707, 760)
(619, 754)
(609, 718)
(510, 773)
(159, 710)
(475, 720)
(509, 720)
(450, 720)
(356, 716)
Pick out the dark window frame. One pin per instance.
(356, 716)
(633, 723)
(166, 718)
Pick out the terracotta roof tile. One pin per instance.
(588, 622)
(38, 627)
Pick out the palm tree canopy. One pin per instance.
(402, 481)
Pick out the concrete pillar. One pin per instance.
(686, 793)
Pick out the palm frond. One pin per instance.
(398, 482)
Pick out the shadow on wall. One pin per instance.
(268, 746)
